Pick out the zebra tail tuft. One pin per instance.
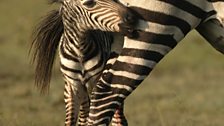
(46, 38)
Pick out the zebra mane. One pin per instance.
(46, 37)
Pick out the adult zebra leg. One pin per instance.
(133, 65)
(118, 117)
(213, 32)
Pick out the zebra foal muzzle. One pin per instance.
(130, 21)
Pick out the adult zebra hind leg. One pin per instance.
(118, 117)
(133, 65)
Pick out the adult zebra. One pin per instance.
(163, 24)
(83, 52)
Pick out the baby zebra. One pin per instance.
(163, 24)
(83, 52)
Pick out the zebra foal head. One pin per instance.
(105, 15)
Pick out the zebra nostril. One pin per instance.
(127, 18)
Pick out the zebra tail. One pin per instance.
(46, 38)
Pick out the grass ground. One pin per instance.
(185, 89)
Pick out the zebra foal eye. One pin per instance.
(88, 3)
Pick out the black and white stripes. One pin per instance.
(163, 23)
(83, 50)
(83, 53)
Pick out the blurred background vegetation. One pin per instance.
(185, 89)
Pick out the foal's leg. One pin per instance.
(84, 107)
(77, 104)
(72, 104)
(119, 117)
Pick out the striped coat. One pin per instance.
(162, 25)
